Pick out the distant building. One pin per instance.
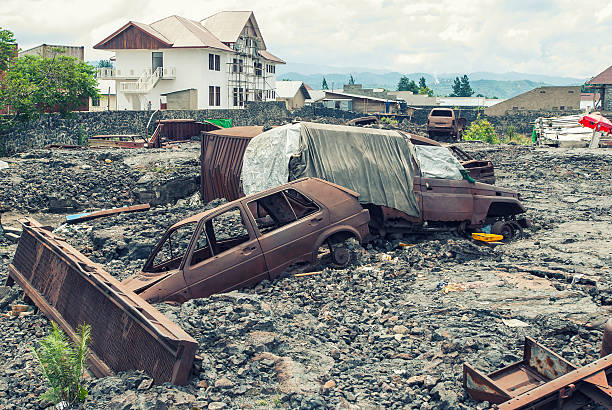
(108, 97)
(549, 98)
(354, 97)
(293, 93)
(414, 99)
(49, 51)
(215, 63)
(602, 85)
(589, 100)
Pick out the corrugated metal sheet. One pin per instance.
(179, 130)
(221, 161)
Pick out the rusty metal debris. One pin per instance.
(174, 131)
(127, 332)
(221, 161)
(117, 141)
(371, 119)
(542, 380)
(251, 239)
(86, 216)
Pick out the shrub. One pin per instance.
(481, 130)
(390, 121)
(63, 363)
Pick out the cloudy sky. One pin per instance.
(560, 37)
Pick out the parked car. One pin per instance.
(251, 239)
(443, 124)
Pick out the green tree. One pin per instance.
(324, 86)
(466, 89)
(33, 85)
(456, 88)
(7, 48)
(406, 84)
(422, 83)
(481, 130)
(105, 64)
(351, 80)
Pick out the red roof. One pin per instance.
(605, 77)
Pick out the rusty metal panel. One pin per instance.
(541, 380)
(221, 161)
(127, 332)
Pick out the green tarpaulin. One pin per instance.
(222, 122)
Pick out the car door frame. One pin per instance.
(261, 269)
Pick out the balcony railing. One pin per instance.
(107, 73)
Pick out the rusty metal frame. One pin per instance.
(541, 379)
(127, 332)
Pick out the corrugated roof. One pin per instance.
(288, 89)
(270, 56)
(227, 25)
(183, 32)
(367, 97)
(605, 77)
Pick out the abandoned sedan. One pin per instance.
(251, 239)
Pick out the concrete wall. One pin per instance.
(182, 100)
(48, 51)
(540, 99)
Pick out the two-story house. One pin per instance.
(178, 63)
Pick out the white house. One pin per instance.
(218, 62)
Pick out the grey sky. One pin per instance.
(561, 37)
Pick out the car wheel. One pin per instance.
(340, 256)
(504, 229)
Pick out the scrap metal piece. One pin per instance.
(221, 161)
(542, 380)
(116, 141)
(86, 216)
(178, 130)
(127, 332)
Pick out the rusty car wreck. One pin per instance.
(379, 165)
(251, 239)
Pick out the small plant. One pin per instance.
(481, 130)
(389, 121)
(63, 364)
(511, 132)
(81, 135)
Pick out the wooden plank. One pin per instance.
(86, 216)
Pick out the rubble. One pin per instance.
(344, 325)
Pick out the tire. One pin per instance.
(503, 228)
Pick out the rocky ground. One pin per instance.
(386, 332)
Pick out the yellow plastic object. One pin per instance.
(487, 237)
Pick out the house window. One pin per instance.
(570, 92)
(270, 68)
(562, 107)
(237, 65)
(214, 96)
(257, 66)
(238, 97)
(515, 108)
(214, 62)
(95, 101)
(542, 92)
(258, 95)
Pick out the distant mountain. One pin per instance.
(487, 84)
(501, 85)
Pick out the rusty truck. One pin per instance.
(444, 125)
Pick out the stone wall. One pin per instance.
(53, 129)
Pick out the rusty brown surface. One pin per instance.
(178, 130)
(370, 119)
(606, 343)
(127, 332)
(86, 216)
(221, 161)
(272, 230)
(116, 141)
(542, 380)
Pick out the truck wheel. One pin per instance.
(503, 228)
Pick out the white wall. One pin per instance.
(191, 65)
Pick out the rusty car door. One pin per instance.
(446, 200)
(288, 233)
(225, 254)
